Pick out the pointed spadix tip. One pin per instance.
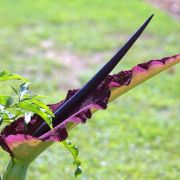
(151, 16)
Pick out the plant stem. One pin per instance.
(15, 171)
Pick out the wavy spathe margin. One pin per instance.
(139, 74)
(20, 143)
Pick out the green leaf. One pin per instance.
(6, 75)
(30, 106)
(73, 149)
(15, 90)
(18, 112)
(44, 106)
(23, 89)
(39, 103)
(78, 171)
(6, 115)
(27, 117)
(39, 96)
(9, 115)
(7, 101)
(1, 119)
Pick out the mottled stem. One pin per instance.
(15, 171)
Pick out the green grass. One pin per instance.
(138, 136)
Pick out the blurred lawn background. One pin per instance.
(59, 45)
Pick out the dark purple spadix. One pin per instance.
(67, 108)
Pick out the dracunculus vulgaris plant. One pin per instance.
(25, 141)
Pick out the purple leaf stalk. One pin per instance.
(24, 145)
